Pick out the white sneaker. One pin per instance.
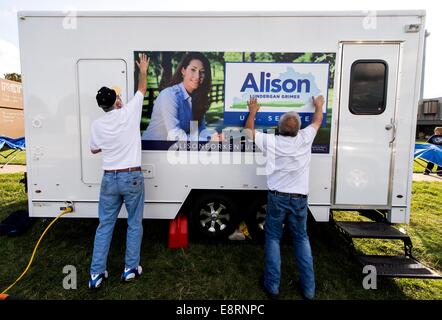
(95, 280)
(130, 274)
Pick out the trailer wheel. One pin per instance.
(256, 221)
(256, 218)
(214, 216)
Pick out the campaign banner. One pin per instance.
(199, 96)
(279, 88)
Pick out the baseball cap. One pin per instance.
(106, 97)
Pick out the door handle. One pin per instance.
(390, 126)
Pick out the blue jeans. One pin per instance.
(116, 188)
(280, 207)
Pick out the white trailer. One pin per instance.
(368, 161)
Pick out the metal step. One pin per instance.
(398, 267)
(375, 230)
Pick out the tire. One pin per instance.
(256, 221)
(256, 218)
(214, 216)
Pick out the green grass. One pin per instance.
(426, 235)
(19, 159)
(419, 166)
(217, 270)
(215, 113)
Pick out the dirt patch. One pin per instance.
(12, 168)
(431, 177)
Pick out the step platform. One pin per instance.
(398, 267)
(374, 230)
(405, 266)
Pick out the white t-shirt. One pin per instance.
(117, 134)
(288, 160)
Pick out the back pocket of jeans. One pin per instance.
(136, 183)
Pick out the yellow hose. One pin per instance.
(67, 210)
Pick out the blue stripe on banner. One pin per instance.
(267, 118)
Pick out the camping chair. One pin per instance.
(428, 153)
(14, 145)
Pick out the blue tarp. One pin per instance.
(10, 143)
(428, 152)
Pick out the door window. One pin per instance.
(368, 87)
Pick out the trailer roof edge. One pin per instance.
(381, 13)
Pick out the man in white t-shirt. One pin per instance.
(117, 136)
(287, 168)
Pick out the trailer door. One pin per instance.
(92, 75)
(366, 125)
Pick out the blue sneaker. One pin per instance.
(97, 279)
(130, 274)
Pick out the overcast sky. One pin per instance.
(9, 52)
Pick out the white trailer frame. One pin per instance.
(57, 121)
